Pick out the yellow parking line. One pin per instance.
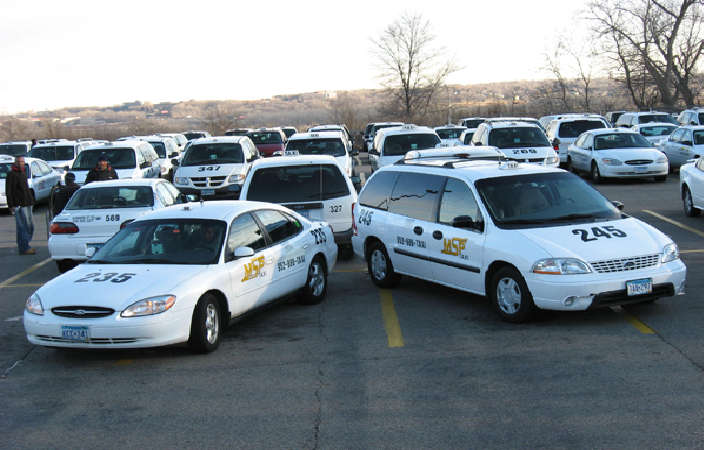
(20, 275)
(691, 251)
(633, 320)
(24, 285)
(388, 312)
(673, 222)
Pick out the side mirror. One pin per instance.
(90, 251)
(357, 183)
(175, 162)
(618, 205)
(354, 152)
(468, 223)
(173, 155)
(374, 152)
(66, 168)
(241, 252)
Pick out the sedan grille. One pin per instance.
(82, 312)
(626, 264)
(638, 162)
(208, 182)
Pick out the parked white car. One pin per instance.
(41, 177)
(685, 143)
(692, 186)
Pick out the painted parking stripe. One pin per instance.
(20, 275)
(633, 320)
(388, 313)
(674, 222)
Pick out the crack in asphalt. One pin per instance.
(17, 363)
(321, 373)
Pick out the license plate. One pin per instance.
(640, 169)
(637, 287)
(305, 213)
(208, 192)
(76, 334)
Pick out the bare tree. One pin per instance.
(219, 118)
(13, 130)
(411, 70)
(654, 46)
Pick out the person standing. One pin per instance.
(102, 171)
(20, 201)
(65, 193)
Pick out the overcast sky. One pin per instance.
(97, 53)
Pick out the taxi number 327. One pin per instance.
(599, 232)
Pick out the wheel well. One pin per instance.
(683, 190)
(224, 308)
(493, 268)
(368, 243)
(325, 261)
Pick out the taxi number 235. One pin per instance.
(597, 232)
(109, 276)
(319, 236)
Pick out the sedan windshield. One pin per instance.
(175, 241)
(214, 153)
(620, 141)
(545, 199)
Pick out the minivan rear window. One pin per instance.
(305, 183)
(332, 146)
(400, 144)
(52, 152)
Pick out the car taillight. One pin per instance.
(125, 223)
(63, 228)
(556, 147)
(354, 224)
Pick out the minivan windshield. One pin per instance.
(53, 152)
(663, 118)
(509, 137)
(304, 183)
(543, 199)
(213, 153)
(400, 144)
(118, 158)
(331, 146)
(14, 150)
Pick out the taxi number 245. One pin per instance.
(599, 232)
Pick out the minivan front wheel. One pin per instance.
(380, 267)
(510, 296)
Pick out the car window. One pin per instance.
(245, 232)
(449, 133)
(518, 137)
(400, 144)
(457, 200)
(167, 198)
(159, 148)
(111, 197)
(378, 189)
(265, 138)
(416, 195)
(574, 128)
(648, 118)
(331, 146)
(687, 136)
(300, 183)
(659, 130)
(279, 226)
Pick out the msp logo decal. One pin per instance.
(253, 269)
(454, 247)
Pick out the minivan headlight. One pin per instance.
(235, 178)
(560, 266)
(670, 252)
(181, 181)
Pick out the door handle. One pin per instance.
(417, 231)
(305, 245)
(270, 260)
(437, 234)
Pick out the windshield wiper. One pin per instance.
(572, 216)
(98, 261)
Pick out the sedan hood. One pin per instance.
(114, 286)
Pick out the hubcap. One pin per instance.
(378, 265)
(317, 281)
(688, 201)
(212, 326)
(508, 294)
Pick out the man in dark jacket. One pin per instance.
(20, 201)
(65, 193)
(102, 171)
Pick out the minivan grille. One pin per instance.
(626, 264)
(208, 182)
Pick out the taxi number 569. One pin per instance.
(599, 232)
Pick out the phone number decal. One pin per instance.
(410, 242)
(291, 262)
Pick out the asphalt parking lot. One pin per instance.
(416, 367)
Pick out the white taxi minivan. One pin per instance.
(215, 167)
(315, 186)
(60, 153)
(332, 143)
(528, 237)
(130, 159)
(521, 140)
(392, 143)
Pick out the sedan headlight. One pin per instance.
(150, 306)
(670, 252)
(560, 266)
(34, 305)
(611, 161)
(662, 159)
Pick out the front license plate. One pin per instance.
(637, 287)
(640, 169)
(305, 213)
(207, 192)
(76, 334)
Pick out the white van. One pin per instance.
(315, 186)
(391, 144)
(332, 143)
(60, 154)
(130, 159)
(215, 167)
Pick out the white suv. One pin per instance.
(528, 237)
(215, 167)
(391, 144)
(564, 131)
(60, 154)
(520, 141)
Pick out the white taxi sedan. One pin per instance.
(692, 186)
(182, 274)
(97, 211)
(616, 153)
(41, 177)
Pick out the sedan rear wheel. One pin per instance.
(316, 283)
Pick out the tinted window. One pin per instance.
(457, 200)
(14, 150)
(416, 195)
(265, 138)
(279, 226)
(215, 153)
(657, 130)
(332, 146)
(400, 144)
(518, 137)
(159, 148)
(657, 118)
(575, 128)
(112, 197)
(53, 152)
(474, 123)
(449, 133)
(118, 158)
(378, 189)
(305, 183)
(245, 232)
